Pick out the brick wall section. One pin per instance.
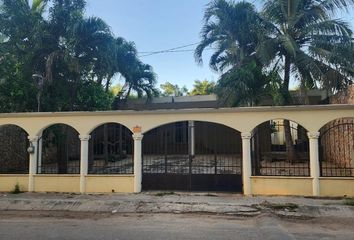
(13, 150)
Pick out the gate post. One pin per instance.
(33, 155)
(137, 136)
(191, 125)
(246, 163)
(314, 162)
(84, 154)
(40, 150)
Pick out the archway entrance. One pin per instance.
(192, 156)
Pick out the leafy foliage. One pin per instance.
(73, 58)
(202, 87)
(288, 39)
(303, 40)
(174, 90)
(230, 28)
(243, 86)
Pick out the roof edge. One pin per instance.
(183, 111)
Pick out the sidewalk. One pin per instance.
(165, 202)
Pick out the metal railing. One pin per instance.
(271, 154)
(336, 144)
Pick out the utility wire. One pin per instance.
(183, 46)
(172, 50)
(175, 49)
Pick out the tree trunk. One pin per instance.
(290, 150)
(128, 93)
(285, 88)
(108, 82)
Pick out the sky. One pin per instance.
(156, 25)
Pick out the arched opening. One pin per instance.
(280, 148)
(59, 150)
(110, 151)
(14, 158)
(192, 155)
(337, 148)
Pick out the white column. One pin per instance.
(32, 161)
(40, 150)
(84, 154)
(192, 131)
(137, 136)
(314, 162)
(246, 163)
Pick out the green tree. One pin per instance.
(66, 52)
(232, 30)
(140, 78)
(19, 27)
(243, 86)
(203, 87)
(173, 90)
(305, 42)
(294, 38)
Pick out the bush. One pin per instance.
(16, 189)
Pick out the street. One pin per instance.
(61, 225)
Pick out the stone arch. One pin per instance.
(192, 155)
(59, 150)
(48, 125)
(186, 120)
(97, 125)
(280, 147)
(298, 122)
(335, 119)
(110, 149)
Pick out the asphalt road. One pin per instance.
(166, 226)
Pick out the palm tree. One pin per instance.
(307, 43)
(139, 78)
(123, 54)
(232, 30)
(303, 41)
(38, 6)
(243, 86)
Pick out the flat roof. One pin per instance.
(183, 111)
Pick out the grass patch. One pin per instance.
(161, 194)
(349, 201)
(16, 189)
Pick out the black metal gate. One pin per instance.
(270, 156)
(336, 148)
(192, 156)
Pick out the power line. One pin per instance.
(175, 49)
(183, 46)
